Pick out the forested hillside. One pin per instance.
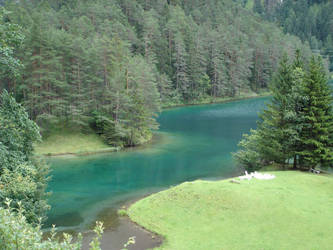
(110, 64)
(311, 20)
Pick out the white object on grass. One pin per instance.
(257, 175)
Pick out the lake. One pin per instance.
(193, 142)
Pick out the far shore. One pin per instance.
(218, 100)
(91, 144)
(69, 154)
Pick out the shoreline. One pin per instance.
(69, 154)
(143, 234)
(114, 239)
(117, 149)
(153, 140)
(219, 100)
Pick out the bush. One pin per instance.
(248, 155)
(17, 233)
(22, 178)
(122, 212)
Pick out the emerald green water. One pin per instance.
(193, 143)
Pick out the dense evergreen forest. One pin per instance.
(111, 64)
(310, 20)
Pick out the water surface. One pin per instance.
(193, 143)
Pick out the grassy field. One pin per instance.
(292, 211)
(66, 142)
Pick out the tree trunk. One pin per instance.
(295, 162)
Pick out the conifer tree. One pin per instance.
(318, 128)
(297, 124)
(275, 127)
(271, 141)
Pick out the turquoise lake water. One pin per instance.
(193, 142)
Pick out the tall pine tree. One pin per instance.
(297, 124)
(317, 132)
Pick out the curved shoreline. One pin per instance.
(159, 221)
(151, 141)
(110, 230)
(115, 238)
(120, 228)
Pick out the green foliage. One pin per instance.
(17, 132)
(297, 124)
(17, 233)
(274, 128)
(122, 212)
(311, 21)
(22, 178)
(131, 241)
(25, 184)
(22, 184)
(95, 243)
(316, 135)
(10, 39)
(78, 62)
(257, 6)
(129, 119)
(248, 155)
(112, 132)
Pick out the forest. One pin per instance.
(310, 20)
(109, 67)
(112, 65)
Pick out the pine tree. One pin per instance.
(297, 124)
(271, 141)
(151, 35)
(181, 69)
(317, 132)
(216, 66)
(276, 125)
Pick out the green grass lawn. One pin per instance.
(292, 211)
(66, 142)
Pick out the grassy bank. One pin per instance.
(67, 142)
(292, 211)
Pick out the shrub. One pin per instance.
(17, 233)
